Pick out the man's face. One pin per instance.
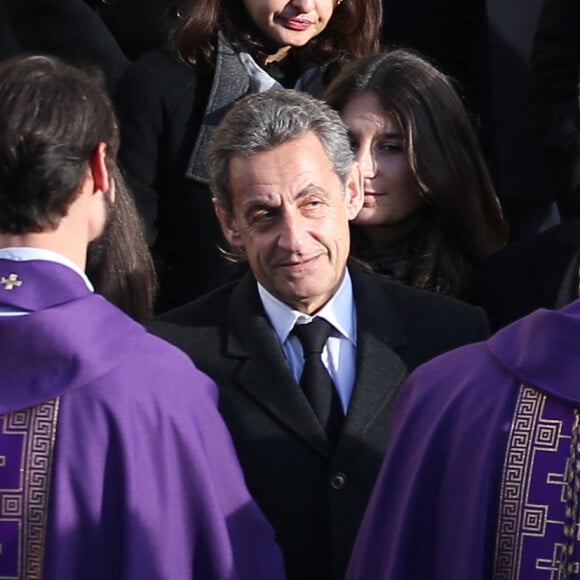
(290, 216)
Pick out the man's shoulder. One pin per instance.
(160, 65)
(408, 300)
(157, 76)
(518, 261)
(88, 349)
(529, 274)
(133, 351)
(210, 309)
(430, 324)
(197, 322)
(147, 369)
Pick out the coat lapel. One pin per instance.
(264, 373)
(380, 371)
(265, 376)
(230, 84)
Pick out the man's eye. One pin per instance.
(312, 205)
(261, 217)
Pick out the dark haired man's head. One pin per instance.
(55, 120)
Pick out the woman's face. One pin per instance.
(390, 193)
(290, 23)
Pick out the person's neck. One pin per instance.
(381, 237)
(52, 241)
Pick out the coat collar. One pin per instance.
(541, 350)
(37, 284)
(266, 377)
(230, 84)
(264, 373)
(380, 371)
(69, 338)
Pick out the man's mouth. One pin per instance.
(298, 265)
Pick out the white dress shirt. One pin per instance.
(339, 354)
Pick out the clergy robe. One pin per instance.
(482, 477)
(114, 462)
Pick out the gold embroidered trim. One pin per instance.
(515, 482)
(27, 505)
(540, 490)
(567, 565)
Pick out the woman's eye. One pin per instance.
(391, 147)
(353, 143)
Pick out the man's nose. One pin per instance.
(292, 232)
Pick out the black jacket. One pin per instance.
(541, 272)
(94, 32)
(556, 98)
(314, 499)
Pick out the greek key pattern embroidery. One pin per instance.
(530, 538)
(27, 441)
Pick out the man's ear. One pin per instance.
(354, 191)
(100, 172)
(100, 187)
(228, 225)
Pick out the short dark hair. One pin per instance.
(52, 118)
(262, 121)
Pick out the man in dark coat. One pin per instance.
(556, 99)
(286, 186)
(540, 272)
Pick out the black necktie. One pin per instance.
(316, 381)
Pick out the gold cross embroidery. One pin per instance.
(11, 282)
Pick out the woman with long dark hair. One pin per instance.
(119, 263)
(431, 214)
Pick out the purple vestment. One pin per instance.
(114, 461)
(482, 478)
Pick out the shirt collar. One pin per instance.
(339, 311)
(23, 254)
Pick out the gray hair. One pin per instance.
(262, 121)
